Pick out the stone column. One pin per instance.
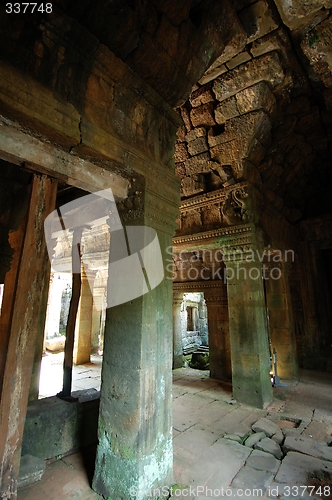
(97, 313)
(82, 346)
(248, 321)
(281, 323)
(39, 348)
(135, 453)
(53, 306)
(177, 331)
(218, 326)
(23, 326)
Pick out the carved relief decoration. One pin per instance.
(234, 209)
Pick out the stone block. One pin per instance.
(181, 134)
(203, 115)
(278, 437)
(31, 470)
(264, 68)
(228, 153)
(297, 13)
(226, 110)
(308, 446)
(261, 460)
(186, 118)
(195, 134)
(296, 467)
(234, 40)
(277, 40)
(198, 146)
(199, 163)
(256, 97)
(265, 425)
(191, 186)
(254, 439)
(180, 170)
(259, 19)
(181, 153)
(321, 431)
(215, 70)
(55, 344)
(54, 427)
(239, 59)
(269, 446)
(201, 96)
(258, 479)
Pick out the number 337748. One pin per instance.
(28, 8)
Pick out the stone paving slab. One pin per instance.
(322, 431)
(182, 421)
(323, 415)
(233, 421)
(195, 439)
(263, 461)
(258, 480)
(308, 446)
(295, 468)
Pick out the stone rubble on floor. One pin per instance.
(270, 452)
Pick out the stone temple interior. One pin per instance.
(211, 123)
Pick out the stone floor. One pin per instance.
(208, 462)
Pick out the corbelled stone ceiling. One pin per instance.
(260, 112)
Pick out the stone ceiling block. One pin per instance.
(198, 146)
(258, 96)
(298, 13)
(234, 38)
(201, 96)
(203, 115)
(317, 46)
(259, 19)
(181, 153)
(239, 59)
(245, 138)
(194, 134)
(265, 68)
(226, 110)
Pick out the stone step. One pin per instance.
(31, 470)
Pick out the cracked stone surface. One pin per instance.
(203, 457)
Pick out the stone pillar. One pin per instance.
(53, 306)
(97, 313)
(135, 453)
(248, 323)
(23, 326)
(82, 346)
(177, 331)
(218, 326)
(39, 348)
(281, 323)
